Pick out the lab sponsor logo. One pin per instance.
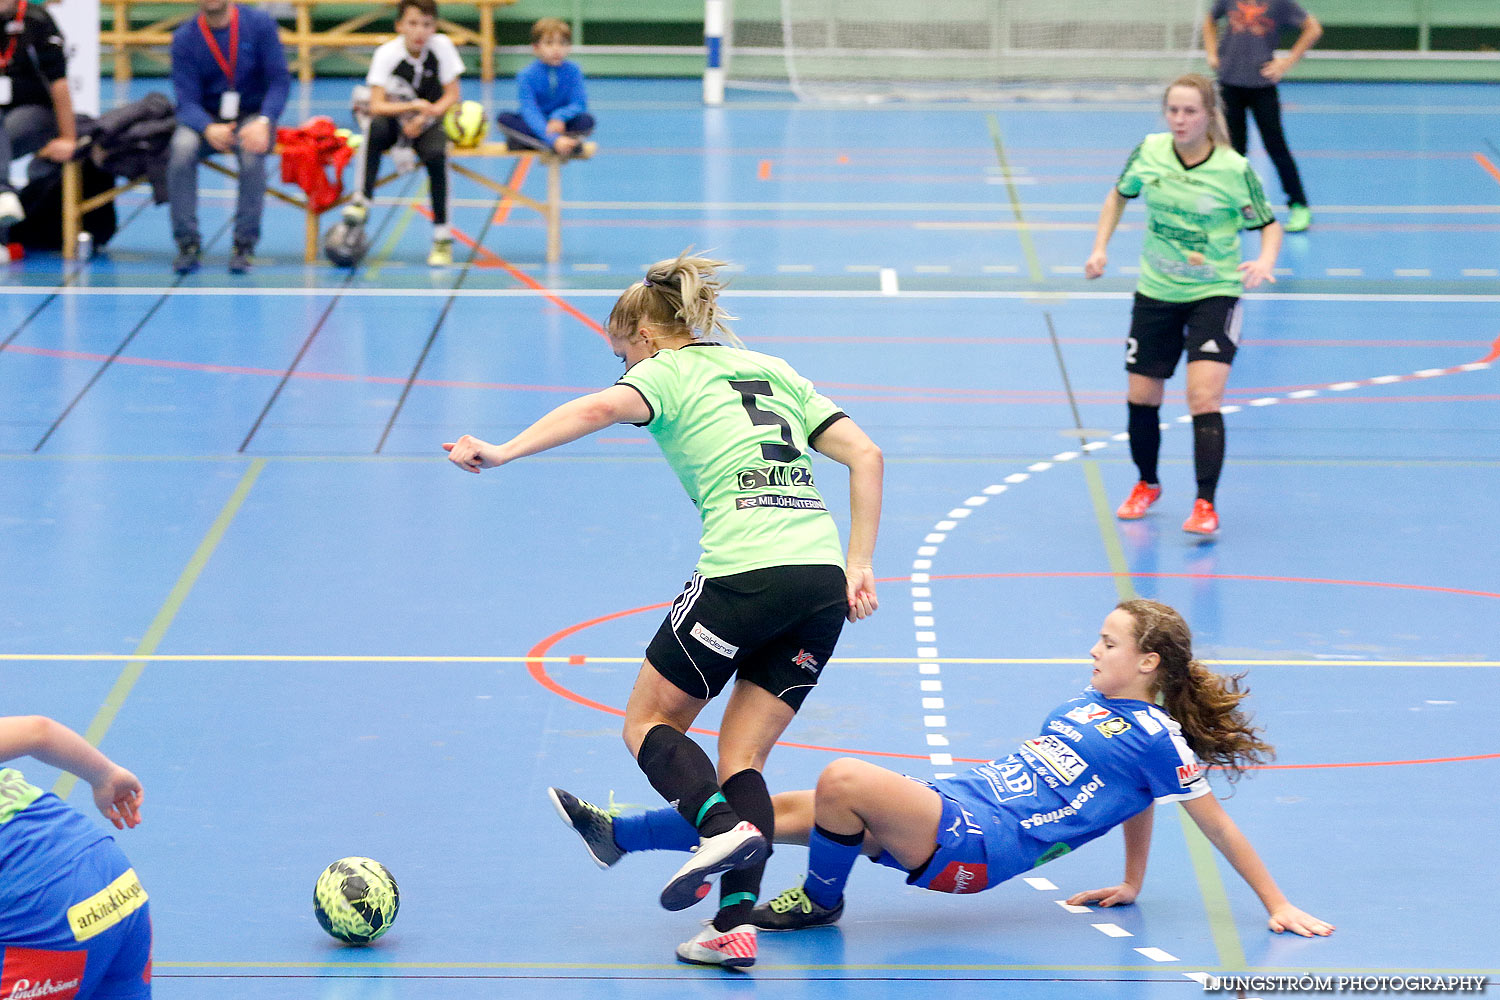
(1148, 721)
(961, 878)
(1059, 758)
(806, 661)
(1088, 713)
(1188, 773)
(1009, 778)
(700, 632)
(1113, 727)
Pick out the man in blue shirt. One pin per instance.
(231, 80)
(554, 104)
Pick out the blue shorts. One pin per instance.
(41, 953)
(960, 864)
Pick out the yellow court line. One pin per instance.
(136, 664)
(1019, 661)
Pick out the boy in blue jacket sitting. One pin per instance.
(554, 105)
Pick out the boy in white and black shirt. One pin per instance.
(36, 109)
(413, 81)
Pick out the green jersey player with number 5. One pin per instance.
(770, 593)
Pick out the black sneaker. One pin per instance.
(596, 826)
(241, 259)
(189, 256)
(793, 910)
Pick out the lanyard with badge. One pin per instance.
(15, 28)
(229, 102)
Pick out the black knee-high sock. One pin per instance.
(739, 889)
(1145, 439)
(680, 770)
(1208, 452)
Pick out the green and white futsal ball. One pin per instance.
(465, 125)
(356, 900)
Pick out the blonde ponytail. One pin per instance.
(680, 297)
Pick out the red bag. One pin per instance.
(307, 153)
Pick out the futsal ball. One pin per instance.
(346, 243)
(356, 900)
(465, 123)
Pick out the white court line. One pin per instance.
(888, 283)
(298, 291)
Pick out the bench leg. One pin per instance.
(554, 209)
(72, 192)
(310, 247)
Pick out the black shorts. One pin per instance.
(773, 627)
(1159, 331)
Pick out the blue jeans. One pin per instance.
(24, 129)
(189, 148)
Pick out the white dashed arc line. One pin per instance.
(924, 620)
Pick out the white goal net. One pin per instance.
(873, 50)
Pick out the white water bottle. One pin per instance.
(85, 248)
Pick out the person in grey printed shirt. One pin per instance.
(1249, 70)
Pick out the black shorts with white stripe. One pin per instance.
(1208, 330)
(774, 627)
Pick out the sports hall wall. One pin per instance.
(1363, 40)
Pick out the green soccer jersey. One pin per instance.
(1193, 218)
(735, 426)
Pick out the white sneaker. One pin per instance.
(11, 211)
(731, 949)
(737, 848)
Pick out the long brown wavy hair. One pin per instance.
(1205, 704)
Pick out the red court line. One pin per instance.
(1494, 353)
(537, 668)
(494, 260)
(763, 171)
(1490, 168)
(517, 178)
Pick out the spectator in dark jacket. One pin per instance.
(36, 109)
(230, 74)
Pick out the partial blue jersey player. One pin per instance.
(1098, 762)
(74, 919)
(1144, 731)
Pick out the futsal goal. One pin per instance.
(876, 50)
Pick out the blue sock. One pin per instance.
(656, 830)
(830, 858)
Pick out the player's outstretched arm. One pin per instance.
(1222, 832)
(844, 442)
(569, 422)
(117, 792)
(1137, 850)
(1109, 219)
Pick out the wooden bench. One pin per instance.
(308, 43)
(75, 206)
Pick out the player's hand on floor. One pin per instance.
(470, 454)
(1116, 895)
(1289, 918)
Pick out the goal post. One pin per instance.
(872, 50)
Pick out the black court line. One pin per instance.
(318, 326)
(442, 317)
(672, 977)
(161, 300)
(68, 280)
(1062, 369)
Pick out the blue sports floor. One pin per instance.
(232, 551)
